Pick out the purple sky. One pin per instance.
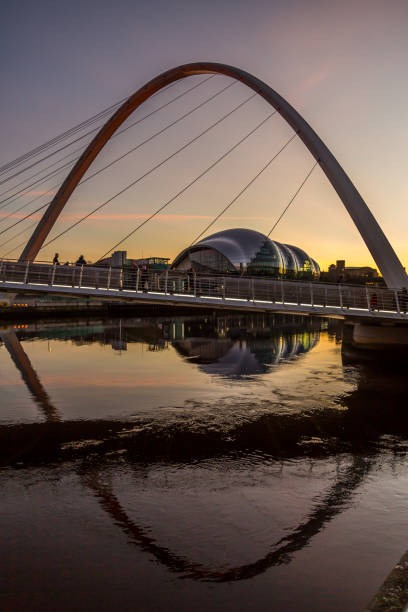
(341, 65)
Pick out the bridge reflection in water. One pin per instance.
(240, 347)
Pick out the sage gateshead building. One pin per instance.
(245, 251)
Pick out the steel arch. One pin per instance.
(373, 236)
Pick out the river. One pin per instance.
(218, 462)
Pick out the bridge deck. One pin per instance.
(233, 292)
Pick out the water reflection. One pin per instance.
(231, 358)
(235, 348)
(335, 501)
(28, 374)
(281, 552)
(370, 410)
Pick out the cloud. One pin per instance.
(136, 216)
(311, 80)
(20, 216)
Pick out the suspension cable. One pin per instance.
(95, 129)
(243, 190)
(115, 135)
(37, 150)
(150, 138)
(17, 235)
(182, 191)
(23, 218)
(41, 179)
(13, 199)
(293, 198)
(38, 197)
(240, 105)
(15, 195)
(21, 244)
(190, 184)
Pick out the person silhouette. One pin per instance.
(80, 261)
(374, 302)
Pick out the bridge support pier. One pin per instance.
(375, 336)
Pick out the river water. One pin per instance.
(219, 462)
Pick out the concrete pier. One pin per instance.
(375, 337)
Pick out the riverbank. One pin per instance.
(33, 309)
(393, 593)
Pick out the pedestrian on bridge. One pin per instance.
(55, 261)
(145, 279)
(374, 302)
(80, 261)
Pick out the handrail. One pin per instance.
(212, 274)
(311, 297)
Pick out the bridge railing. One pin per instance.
(300, 293)
(289, 292)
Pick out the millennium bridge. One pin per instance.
(29, 276)
(215, 291)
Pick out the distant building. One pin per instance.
(245, 251)
(339, 273)
(364, 272)
(119, 259)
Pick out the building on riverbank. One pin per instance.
(119, 259)
(245, 251)
(340, 273)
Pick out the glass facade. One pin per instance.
(205, 260)
(290, 262)
(267, 261)
(247, 251)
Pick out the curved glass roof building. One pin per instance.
(246, 251)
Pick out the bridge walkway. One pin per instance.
(175, 287)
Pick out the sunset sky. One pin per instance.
(342, 65)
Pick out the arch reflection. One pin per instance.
(29, 375)
(335, 501)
